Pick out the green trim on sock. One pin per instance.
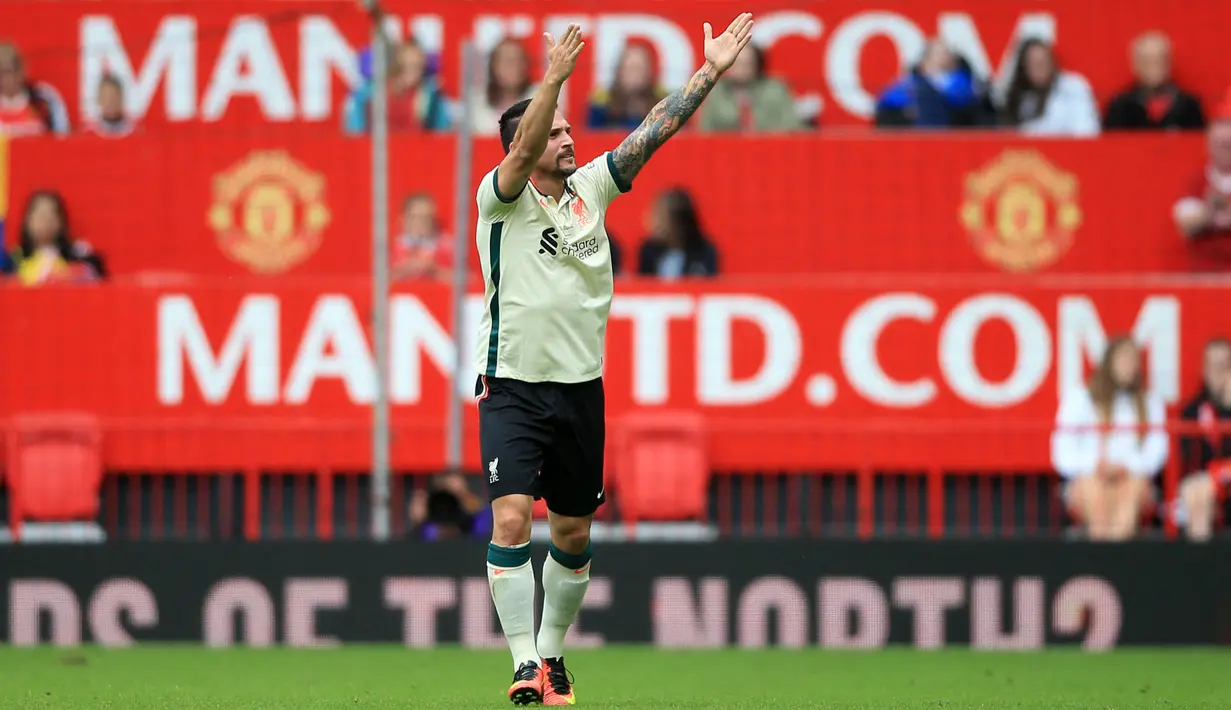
(498, 556)
(567, 559)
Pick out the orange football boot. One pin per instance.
(558, 688)
(527, 688)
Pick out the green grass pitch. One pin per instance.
(188, 678)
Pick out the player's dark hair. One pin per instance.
(509, 120)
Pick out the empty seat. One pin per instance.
(54, 468)
(660, 466)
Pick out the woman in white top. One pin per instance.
(1110, 440)
(1042, 100)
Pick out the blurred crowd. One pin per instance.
(674, 245)
(939, 91)
(1112, 443)
(1112, 484)
(748, 99)
(1040, 97)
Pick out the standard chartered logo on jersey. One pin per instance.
(582, 249)
(551, 244)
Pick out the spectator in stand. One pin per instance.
(1205, 455)
(27, 108)
(1203, 213)
(47, 253)
(676, 247)
(1109, 443)
(617, 255)
(1043, 100)
(420, 250)
(941, 91)
(747, 99)
(508, 82)
(448, 509)
(416, 102)
(112, 121)
(1154, 101)
(632, 94)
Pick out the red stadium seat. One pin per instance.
(660, 466)
(54, 468)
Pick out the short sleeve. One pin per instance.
(494, 206)
(599, 178)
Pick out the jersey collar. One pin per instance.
(568, 189)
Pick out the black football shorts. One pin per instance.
(543, 439)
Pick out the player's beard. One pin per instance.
(564, 169)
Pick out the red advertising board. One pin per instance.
(177, 201)
(790, 374)
(289, 60)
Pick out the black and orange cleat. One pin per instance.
(527, 688)
(558, 688)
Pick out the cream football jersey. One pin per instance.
(547, 277)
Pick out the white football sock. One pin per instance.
(564, 588)
(513, 593)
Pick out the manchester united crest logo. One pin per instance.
(1021, 211)
(268, 211)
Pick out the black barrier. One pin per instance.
(990, 595)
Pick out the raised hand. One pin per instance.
(561, 58)
(666, 118)
(722, 50)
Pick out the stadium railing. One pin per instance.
(149, 494)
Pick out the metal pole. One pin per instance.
(380, 281)
(462, 370)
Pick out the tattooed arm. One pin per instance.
(663, 121)
(670, 115)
